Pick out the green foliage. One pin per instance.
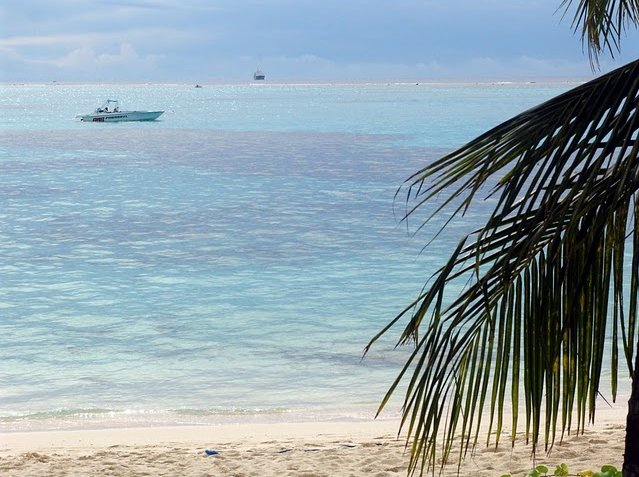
(608, 471)
(562, 471)
(539, 471)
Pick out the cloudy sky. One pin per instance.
(291, 40)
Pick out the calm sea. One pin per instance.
(228, 261)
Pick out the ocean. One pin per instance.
(229, 261)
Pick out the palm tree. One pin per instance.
(550, 277)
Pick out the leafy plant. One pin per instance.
(562, 471)
(539, 471)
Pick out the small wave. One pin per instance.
(106, 417)
(58, 414)
(234, 411)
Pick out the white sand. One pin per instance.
(295, 449)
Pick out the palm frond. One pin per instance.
(547, 273)
(602, 23)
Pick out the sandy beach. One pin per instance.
(284, 449)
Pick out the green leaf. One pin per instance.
(561, 470)
(542, 469)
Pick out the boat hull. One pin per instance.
(121, 116)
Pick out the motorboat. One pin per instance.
(110, 112)
(259, 75)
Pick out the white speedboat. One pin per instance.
(110, 112)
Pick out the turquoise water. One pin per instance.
(228, 261)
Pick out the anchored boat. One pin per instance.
(110, 112)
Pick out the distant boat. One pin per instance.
(110, 112)
(197, 86)
(259, 75)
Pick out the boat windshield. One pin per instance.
(109, 106)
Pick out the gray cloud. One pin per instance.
(170, 40)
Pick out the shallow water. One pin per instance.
(231, 259)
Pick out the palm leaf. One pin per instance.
(602, 23)
(545, 274)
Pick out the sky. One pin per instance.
(204, 41)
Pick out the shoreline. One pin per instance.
(103, 419)
(317, 448)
